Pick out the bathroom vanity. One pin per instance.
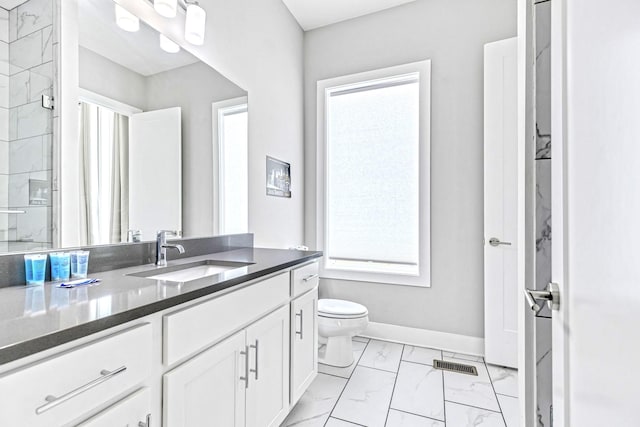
(237, 348)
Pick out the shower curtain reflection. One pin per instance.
(104, 145)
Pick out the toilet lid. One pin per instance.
(338, 307)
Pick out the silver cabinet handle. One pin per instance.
(301, 315)
(255, 371)
(53, 401)
(245, 353)
(551, 295)
(494, 241)
(313, 276)
(147, 423)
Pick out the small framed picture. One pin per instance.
(278, 178)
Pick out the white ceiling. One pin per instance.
(139, 51)
(318, 13)
(10, 4)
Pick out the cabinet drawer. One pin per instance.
(304, 279)
(195, 328)
(63, 388)
(130, 411)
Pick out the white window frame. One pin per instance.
(333, 270)
(236, 104)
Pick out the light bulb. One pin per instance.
(126, 20)
(168, 45)
(195, 24)
(166, 8)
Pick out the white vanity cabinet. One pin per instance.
(132, 411)
(241, 381)
(304, 343)
(68, 386)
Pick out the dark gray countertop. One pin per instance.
(37, 318)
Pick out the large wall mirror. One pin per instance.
(161, 141)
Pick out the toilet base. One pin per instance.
(337, 352)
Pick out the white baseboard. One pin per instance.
(425, 338)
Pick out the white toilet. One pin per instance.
(338, 322)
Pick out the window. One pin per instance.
(374, 175)
(230, 122)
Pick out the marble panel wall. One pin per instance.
(30, 70)
(543, 205)
(4, 127)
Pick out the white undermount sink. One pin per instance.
(191, 271)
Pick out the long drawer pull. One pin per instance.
(245, 353)
(255, 371)
(53, 401)
(301, 315)
(313, 276)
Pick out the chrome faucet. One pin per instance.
(162, 246)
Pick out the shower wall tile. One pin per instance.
(4, 25)
(13, 24)
(5, 122)
(35, 224)
(543, 80)
(4, 196)
(4, 58)
(4, 91)
(40, 81)
(4, 157)
(543, 223)
(34, 15)
(19, 89)
(47, 44)
(29, 120)
(47, 151)
(26, 155)
(26, 52)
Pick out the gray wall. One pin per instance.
(451, 33)
(193, 88)
(103, 76)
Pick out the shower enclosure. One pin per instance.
(26, 125)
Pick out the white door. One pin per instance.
(129, 412)
(208, 390)
(304, 343)
(155, 172)
(596, 211)
(268, 392)
(500, 203)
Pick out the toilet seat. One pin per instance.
(340, 309)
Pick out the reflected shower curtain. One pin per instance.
(104, 183)
(119, 213)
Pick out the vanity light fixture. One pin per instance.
(195, 23)
(166, 8)
(126, 20)
(168, 45)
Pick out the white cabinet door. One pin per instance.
(304, 343)
(208, 390)
(129, 412)
(268, 392)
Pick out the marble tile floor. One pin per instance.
(395, 385)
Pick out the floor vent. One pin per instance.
(455, 367)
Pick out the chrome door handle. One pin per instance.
(147, 423)
(255, 371)
(301, 315)
(245, 353)
(53, 401)
(494, 241)
(551, 295)
(313, 276)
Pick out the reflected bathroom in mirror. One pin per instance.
(146, 132)
(162, 141)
